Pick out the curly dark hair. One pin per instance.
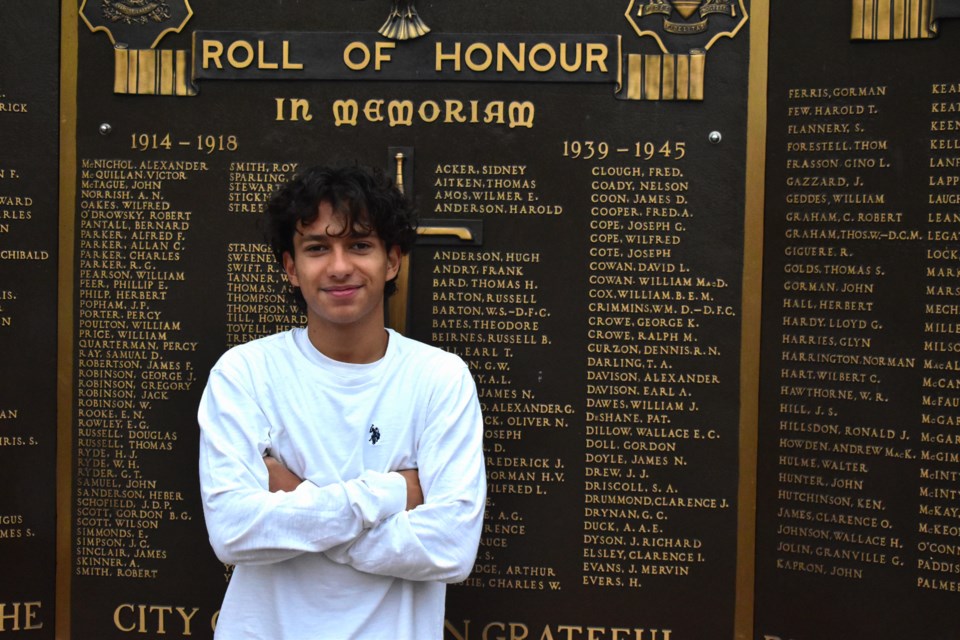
(367, 199)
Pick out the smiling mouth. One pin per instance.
(341, 291)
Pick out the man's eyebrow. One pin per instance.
(311, 236)
(325, 236)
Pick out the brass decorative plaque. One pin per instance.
(29, 175)
(858, 451)
(582, 190)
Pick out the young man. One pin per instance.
(341, 464)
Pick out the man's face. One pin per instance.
(341, 275)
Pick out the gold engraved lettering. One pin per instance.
(346, 112)
(541, 57)
(362, 59)
(145, 618)
(20, 616)
(241, 54)
(128, 232)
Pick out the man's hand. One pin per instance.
(281, 478)
(414, 492)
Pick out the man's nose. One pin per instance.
(340, 261)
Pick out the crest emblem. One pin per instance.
(135, 11)
(682, 25)
(374, 435)
(138, 24)
(684, 31)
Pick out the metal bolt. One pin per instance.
(715, 137)
(106, 129)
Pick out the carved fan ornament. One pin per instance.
(403, 23)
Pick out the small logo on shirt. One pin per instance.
(374, 435)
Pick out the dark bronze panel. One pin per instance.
(29, 77)
(858, 451)
(597, 299)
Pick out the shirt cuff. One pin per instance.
(390, 491)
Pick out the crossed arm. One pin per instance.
(424, 527)
(282, 479)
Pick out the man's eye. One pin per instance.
(362, 246)
(314, 248)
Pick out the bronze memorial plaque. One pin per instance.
(579, 170)
(29, 176)
(858, 478)
(701, 257)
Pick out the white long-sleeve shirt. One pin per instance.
(340, 557)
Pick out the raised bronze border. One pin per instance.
(750, 316)
(750, 319)
(69, 27)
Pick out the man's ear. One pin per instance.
(394, 259)
(290, 267)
